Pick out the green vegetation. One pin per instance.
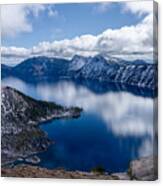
(98, 170)
(77, 109)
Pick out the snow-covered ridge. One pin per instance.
(132, 73)
(20, 116)
(136, 73)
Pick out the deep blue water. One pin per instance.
(86, 143)
(115, 127)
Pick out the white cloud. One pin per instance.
(139, 7)
(13, 55)
(15, 18)
(13, 51)
(102, 7)
(114, 108)
(35, 9)
(128, 38)
(147, 148)
(136, 7)
(52, 12)
(129, 42)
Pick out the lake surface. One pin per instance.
(115, 127)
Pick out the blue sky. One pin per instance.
(72, 20)
(62, 30)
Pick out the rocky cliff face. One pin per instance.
(20, 116)
(136, 73)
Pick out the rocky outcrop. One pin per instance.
(141, 169)
(121, 176)
(144, 169)
(33, 160)
(20, 116)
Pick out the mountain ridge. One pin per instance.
(136, 73)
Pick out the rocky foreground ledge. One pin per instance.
(20, 117)
(144, 169)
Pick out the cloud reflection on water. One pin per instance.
(123, 113)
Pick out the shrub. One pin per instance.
(98, 169)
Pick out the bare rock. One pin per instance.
(20, 117)
(144, 169)
(33, 159)
(121, 176)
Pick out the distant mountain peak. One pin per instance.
(78, 57)
(78, 62)
(98, 58)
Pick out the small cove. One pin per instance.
(114, 128)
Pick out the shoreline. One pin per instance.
(42, 122)
(143, 169)
(22, 141)
(22, 137)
